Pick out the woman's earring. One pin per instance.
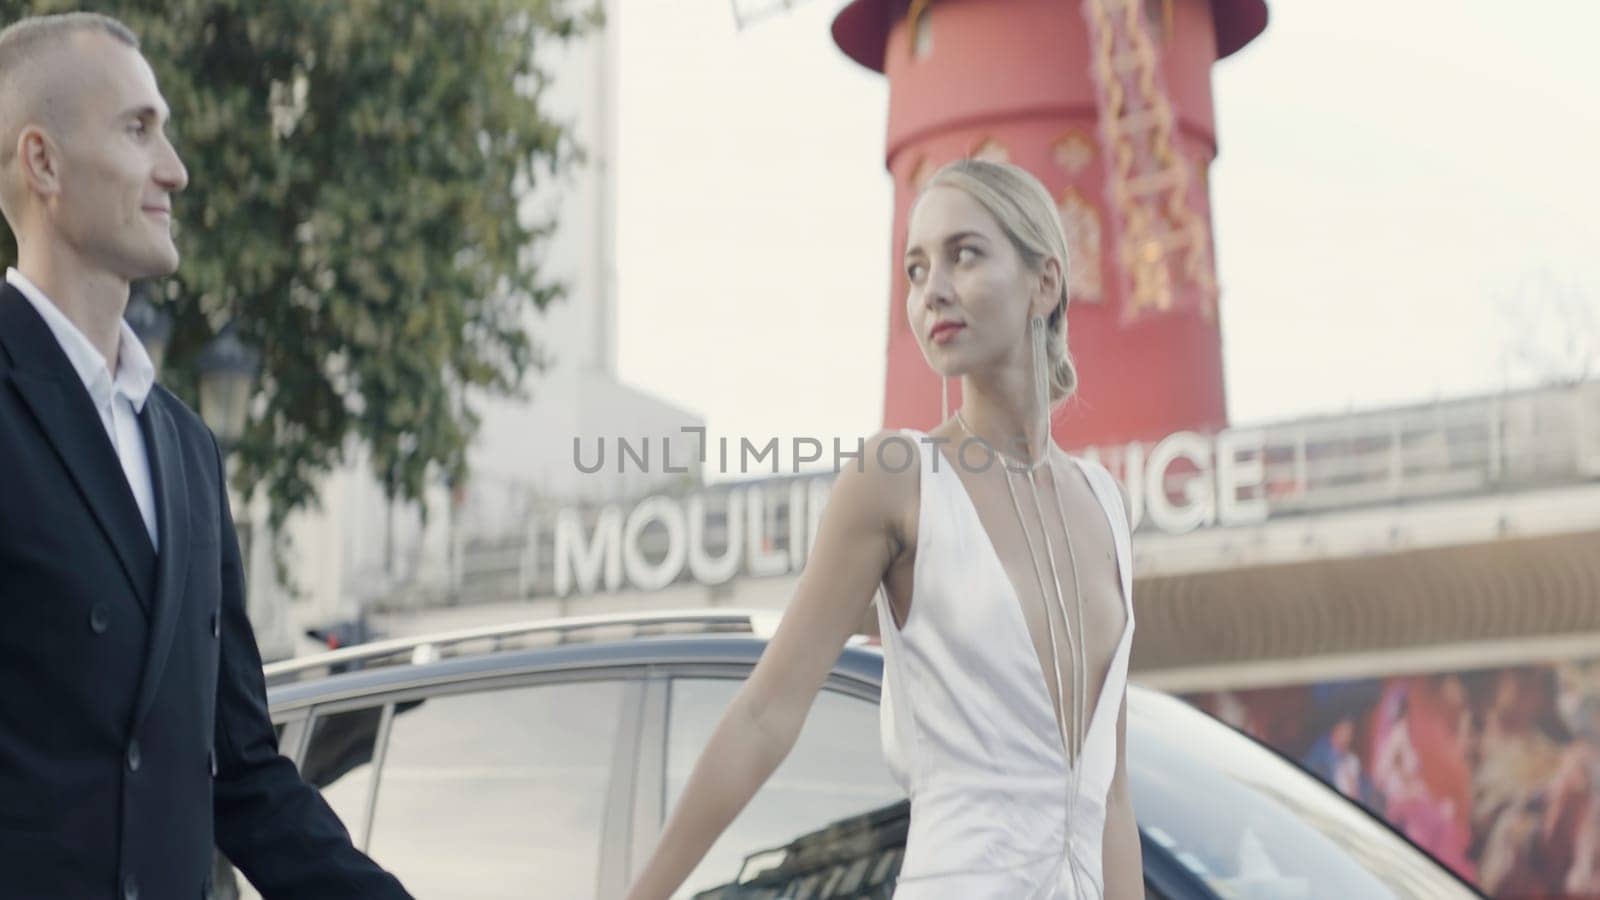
(1041, 380)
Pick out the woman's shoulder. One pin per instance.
(883, 474)
(889, 462)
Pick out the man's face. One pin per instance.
(118, 171)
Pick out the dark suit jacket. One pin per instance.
(133, 719)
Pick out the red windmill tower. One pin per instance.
(1108, 103)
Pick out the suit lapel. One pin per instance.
(172, 516)
(50, 387)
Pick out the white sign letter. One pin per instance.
(1234, 473)
(603, 552)
(704, 568)
(1197, 493)
(641, 573)
(760, 548)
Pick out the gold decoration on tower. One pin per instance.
(1074, 152)
(1162, 242)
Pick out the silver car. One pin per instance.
(540, 760)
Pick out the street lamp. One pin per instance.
(152, 326)
(227, 368)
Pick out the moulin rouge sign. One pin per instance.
(767, 528)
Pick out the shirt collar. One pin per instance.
(136, 374)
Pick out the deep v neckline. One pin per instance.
(1021, 621)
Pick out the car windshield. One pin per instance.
(1284, 835)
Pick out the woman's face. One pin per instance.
(970, 293)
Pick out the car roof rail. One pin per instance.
(543, 632)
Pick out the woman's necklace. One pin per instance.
(1012, 463)
(1072, 743)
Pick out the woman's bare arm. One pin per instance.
(1123, 861)
(1122, 864)
(857, 539)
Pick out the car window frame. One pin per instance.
(292, 742)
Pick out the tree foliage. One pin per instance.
(355, 171)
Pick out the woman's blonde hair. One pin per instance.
(1027, 214)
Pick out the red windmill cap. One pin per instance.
(862, 29)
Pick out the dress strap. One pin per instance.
(1110, 497)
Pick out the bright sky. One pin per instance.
(1391, 175)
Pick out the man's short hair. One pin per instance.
(23, 42)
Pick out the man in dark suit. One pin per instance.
(134, 732)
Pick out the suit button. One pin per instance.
(130, 888)
(99, 618)
(216, 624)
(212, 758)
(134, 758)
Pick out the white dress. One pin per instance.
(969, 729)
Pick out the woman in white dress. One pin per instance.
(1005, 565)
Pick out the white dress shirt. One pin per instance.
(119, 400)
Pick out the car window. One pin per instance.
(830, 812)
(498, 794)
(1249, 824)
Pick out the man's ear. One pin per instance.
(39, 158)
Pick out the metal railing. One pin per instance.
(1498, 443)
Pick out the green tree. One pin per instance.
(355, 171)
